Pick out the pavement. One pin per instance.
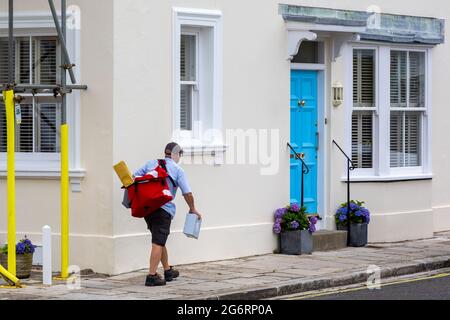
(251, 278)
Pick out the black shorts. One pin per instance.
(158, 223)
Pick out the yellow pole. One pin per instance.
(8, 97)
(10, 278)
(64, 201)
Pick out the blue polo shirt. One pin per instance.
(177, 174)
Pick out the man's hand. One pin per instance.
(199, 215)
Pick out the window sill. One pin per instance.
(390, 178)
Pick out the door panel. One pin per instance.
(304, 135)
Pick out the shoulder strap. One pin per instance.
(162, 163)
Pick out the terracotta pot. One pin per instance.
(24, 263)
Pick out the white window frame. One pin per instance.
(374, 110)
(188, 20)
(40, 165)
(382, 170)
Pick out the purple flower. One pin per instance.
(295, 225)
(359, 213)
(277, 228)
(280, 213)
(313, 220)
(312, 228)
(353, 207)
(342, 217)
(21, 248)
(295, 207)
(278, 220)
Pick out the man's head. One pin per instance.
(173, 151)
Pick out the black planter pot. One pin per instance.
(358, 235)
(296, 242)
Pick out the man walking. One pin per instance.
(159, 221)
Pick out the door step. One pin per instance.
(325, 240)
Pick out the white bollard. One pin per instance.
(47, 255)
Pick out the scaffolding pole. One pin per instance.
(62, 40)
(9, 97)
(64, 155)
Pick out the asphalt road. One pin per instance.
(436, 287)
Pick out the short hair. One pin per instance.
(173, 147)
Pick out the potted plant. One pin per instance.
(295, 229)
(24, 258)
(359, 221)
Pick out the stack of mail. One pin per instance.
(192, 226)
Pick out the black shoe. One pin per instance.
(154, 280)
(171, 274)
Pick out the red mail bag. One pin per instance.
(150, 192)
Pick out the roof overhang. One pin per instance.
(361, 25)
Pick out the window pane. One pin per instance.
(362, 139)
(364, 78)
(405, 139)
(188, 58)
(4, 60)
(47, 64)
(417, 79)
(396, 139)
(24, 61)
(186, 107)
(398, 78)
(49, 122)
(412, 139)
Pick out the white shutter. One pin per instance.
(412, 139)
(398, 78)
(417, 79)
(4, 48)
(24, 131)
(405, 139)
(2, 127)
(362, 139)
(396, 139)
(48, 125)
(23, 60)
(47, 61)
(364, 78)
(186, 107)
(188, 58)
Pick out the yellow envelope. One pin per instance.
(124, 174)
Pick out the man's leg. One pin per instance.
(155, 258)
(165, 259)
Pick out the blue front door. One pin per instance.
(304, 136)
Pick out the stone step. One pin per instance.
(325, 240)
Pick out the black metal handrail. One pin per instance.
(305, 171)
(350, 167)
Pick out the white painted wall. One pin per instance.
(126, 51)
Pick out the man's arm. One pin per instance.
(141, 171)
(189, 197)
